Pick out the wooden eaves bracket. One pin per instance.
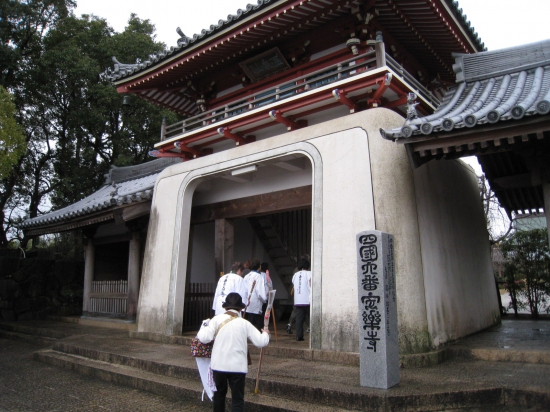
(287, 121)
(194, 152)
(163, 153)
(239, 140)
(340, 95)
(383, 85)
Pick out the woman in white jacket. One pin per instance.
(229, 353)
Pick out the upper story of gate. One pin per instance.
(283, 64)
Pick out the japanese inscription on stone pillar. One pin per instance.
(378, 344)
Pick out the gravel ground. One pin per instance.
(29, 386)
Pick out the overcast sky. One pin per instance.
(499, 23)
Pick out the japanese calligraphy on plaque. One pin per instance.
(378, 345)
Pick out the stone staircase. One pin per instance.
(293, 377)
(285, 236)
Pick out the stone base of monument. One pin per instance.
(378, 343)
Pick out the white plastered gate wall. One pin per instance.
(355, 173)
(342, 204)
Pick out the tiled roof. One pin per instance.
(491, 87)
(122, 70)
(124, 185)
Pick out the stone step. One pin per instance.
(186, 370)
(32, 339)
(32, 331)
(285, 396)
(97, 322)
(171, 387)
(501, 355)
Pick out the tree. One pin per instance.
(499, 224)
(75, 124)
(528, 262)
(12, 139)
(23, 25)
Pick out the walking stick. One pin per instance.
(270, 300)
(249, 296)
(273, 310)
(275, 325)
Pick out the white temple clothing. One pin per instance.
(230, 344)
(258, 296)
(227, 284)
(302, 285)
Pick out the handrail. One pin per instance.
(286, 88)
(393, 64)
(349, 67)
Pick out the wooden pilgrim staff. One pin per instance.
(270, 300)
(273, 311)
(248, 358)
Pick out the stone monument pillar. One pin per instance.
(378, 344)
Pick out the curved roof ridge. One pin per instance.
(124, 185)
(518, 93)
(483, 65)
(125, 173)
(122, 70)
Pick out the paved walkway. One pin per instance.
(30, 386)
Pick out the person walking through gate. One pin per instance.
(229, 359)
(231, 282)
(302, 296)
(257, 295)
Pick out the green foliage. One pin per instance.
(12, 139)
(75, 125)
(22, 27)
(527, 269)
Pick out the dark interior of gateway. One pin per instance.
(279, 239)
(111, 262)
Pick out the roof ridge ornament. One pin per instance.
(183, 40)
(411, 106)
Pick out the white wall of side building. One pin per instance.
(458, 280)
(359, 182)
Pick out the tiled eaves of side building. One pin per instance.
(122, 70)
(491, 86)
(123, 186)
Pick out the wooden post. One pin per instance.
(133, 274)
(546, 197)
(89, 261)
(380, 50)
(223, 245)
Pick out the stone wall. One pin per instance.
(37, 286)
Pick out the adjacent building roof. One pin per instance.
(491, 87)
(498, 111)
(123, 186)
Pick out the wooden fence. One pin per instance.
(109, 297)
(199, 298)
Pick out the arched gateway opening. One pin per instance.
(260, 210)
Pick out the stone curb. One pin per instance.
(47, 333)
(502, 355)
(32, 339)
